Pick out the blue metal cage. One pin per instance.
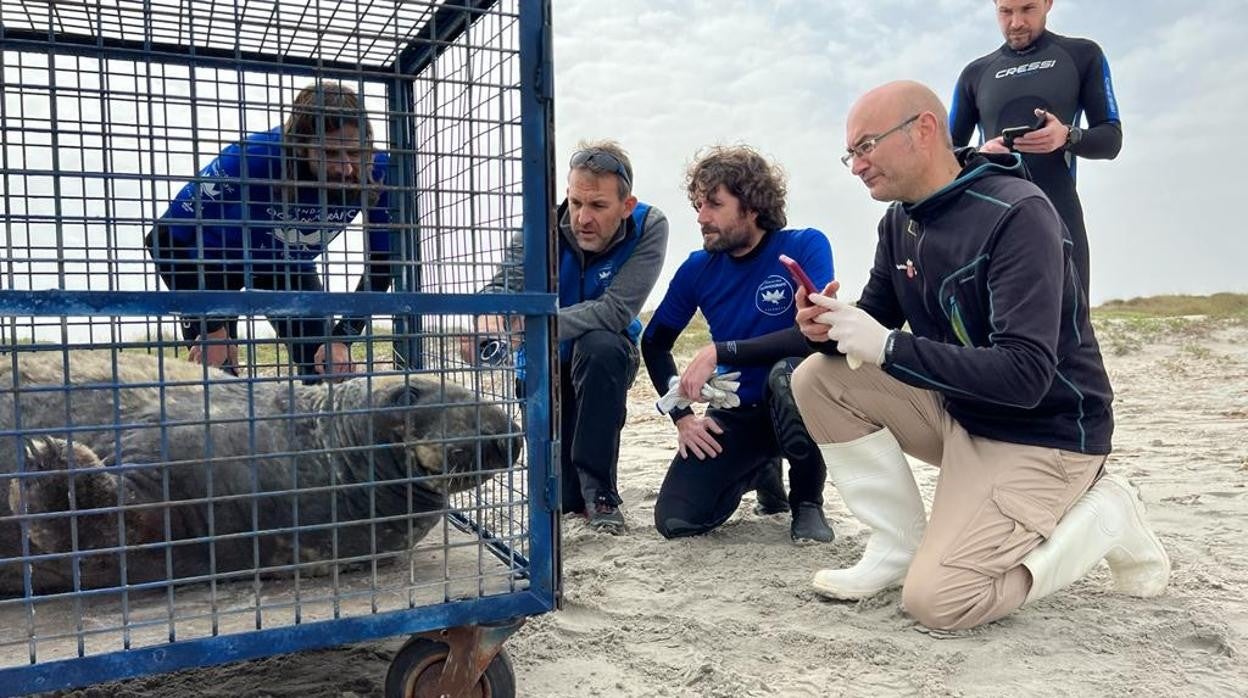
(160, 514)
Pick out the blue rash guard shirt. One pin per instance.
(237, 203)
(742, 297)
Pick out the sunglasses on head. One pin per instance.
(600, 161)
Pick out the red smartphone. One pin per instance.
(799, 274)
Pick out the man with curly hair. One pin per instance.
(747, 298)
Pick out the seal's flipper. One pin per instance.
(59, 476)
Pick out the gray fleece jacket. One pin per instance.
(619, 304)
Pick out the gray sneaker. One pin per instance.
(606, 518)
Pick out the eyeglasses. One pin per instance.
(600, 161)
(864, 148)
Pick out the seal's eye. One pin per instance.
(407, 394)
(414, 394)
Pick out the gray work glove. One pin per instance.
(720, 391)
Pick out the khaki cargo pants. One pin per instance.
(994, 501)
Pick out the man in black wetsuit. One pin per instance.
(1038, 73)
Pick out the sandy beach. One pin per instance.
(732, 613)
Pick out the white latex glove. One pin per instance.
(720, 391)
(857, 335)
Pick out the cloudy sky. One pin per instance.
(665, 77)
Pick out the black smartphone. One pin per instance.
(1009, 134)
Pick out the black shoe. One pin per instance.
(606, 518)
(769, 488)
(809, 524)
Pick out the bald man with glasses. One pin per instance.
(610, 251)
(978, 356)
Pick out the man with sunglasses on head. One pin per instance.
(746, 295)
(998, 380)
(610, 251)
(1038, 78)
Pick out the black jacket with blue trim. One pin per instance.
(998, 324)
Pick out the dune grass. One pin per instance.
(695, 336)
(1127, 326)
(267, 355)
(1218, 305)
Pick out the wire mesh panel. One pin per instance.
(251, 395)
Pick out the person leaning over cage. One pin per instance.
(998, 380)
(746, 296)
(610, 250)
(261, 213)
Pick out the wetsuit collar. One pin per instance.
(758, 249)
(1040, 42)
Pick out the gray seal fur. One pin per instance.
(131, 458)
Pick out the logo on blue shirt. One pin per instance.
(774, 296)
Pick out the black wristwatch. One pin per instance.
(1074, 134)
(888, 347)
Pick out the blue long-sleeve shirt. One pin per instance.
(741, 298)
(235, 209)
(239, 210)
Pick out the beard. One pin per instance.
(1020, 41)
(1023, 39)
(727, 240)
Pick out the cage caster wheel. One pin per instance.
(468, 662)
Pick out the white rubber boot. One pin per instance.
(1107, 523)
(875, 481)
